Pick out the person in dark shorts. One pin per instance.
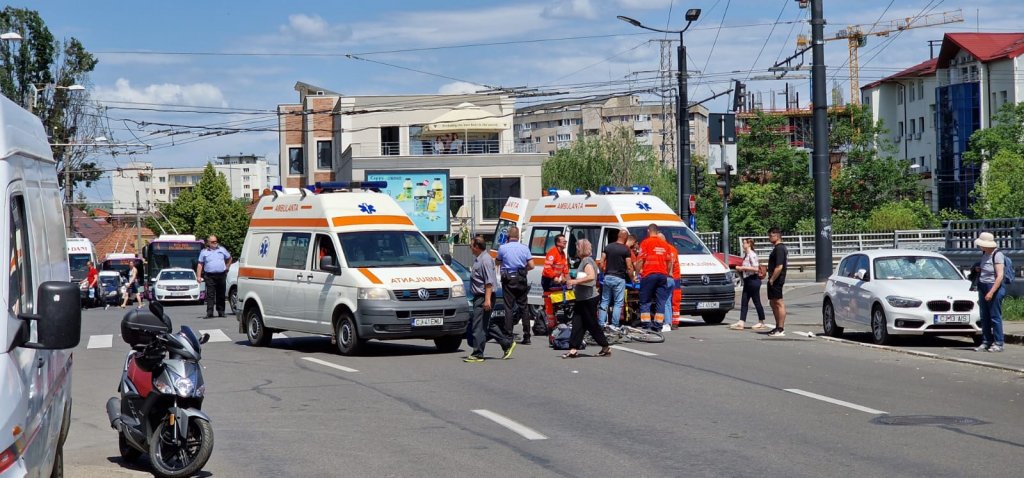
(778, 261)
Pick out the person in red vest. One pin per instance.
(556, 265)
(655, 261)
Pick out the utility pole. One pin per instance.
(69, 217)
(138, 224)
(683, 121)
(822, 170)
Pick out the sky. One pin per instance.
(229, 63)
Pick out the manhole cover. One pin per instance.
(925, 420)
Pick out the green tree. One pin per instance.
(613, 159)
(37, 73)
(901, 215)
(862, 186)
(1006, 133)
(999, 192)
(854, 135)
(209, 209)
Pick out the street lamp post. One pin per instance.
(683, 167)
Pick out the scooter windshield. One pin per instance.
(187, 332)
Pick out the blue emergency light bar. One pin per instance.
(335, 185)
(637, 189)
(278, 188)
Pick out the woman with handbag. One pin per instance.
(752, 275)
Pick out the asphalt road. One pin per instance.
(708, 402)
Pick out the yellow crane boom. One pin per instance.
(856, 37)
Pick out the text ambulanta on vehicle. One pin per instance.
(346, 262)
(707, 285)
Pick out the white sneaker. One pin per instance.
(666, 327)
(761, 326)
(738, 326)
(777, 332)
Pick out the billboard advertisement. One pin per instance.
(422, 194)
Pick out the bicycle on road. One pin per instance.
(629, 330)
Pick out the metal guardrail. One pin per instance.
(711, 239)
(802, 246)
(960, 235)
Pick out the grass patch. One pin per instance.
(1013, 308)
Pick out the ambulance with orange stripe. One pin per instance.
(345, 261)
(707, 285)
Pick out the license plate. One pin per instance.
(952, 319)
(428, 322)
(707, 305)
(497, 313)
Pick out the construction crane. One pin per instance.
(857, 36)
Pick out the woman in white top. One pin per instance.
(751, 287)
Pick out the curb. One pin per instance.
(1017, 339)
(930, 355)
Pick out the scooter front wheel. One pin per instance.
(183, 459)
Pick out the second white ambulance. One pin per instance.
(349, 263)
(707, 285)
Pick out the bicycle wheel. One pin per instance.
(589, 339)
(647, 336)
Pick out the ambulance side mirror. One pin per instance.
(447, 258)
(327, 265)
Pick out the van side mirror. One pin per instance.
(447, 258)
(327, 264)
(59, 321)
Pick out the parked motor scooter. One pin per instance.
(161, 395)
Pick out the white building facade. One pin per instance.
(244, 174)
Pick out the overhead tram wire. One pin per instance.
(714, 43)
(767, 39)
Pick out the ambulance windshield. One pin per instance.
(387, 249)
(682, 238)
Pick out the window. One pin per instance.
(931, 116)
(863, 265)
(542, 239)
(456, 194)
(593, 234)
(495, 192)
(565, 122)
(324, 248)
(245, 170)
(163, 191)
(899, 97)
(536, 139)
(324, 156)
(920, 123)
(899, 129)
(144, 177)
(563, 137)
(163, 179)
(295, 163)
(913, 127)
(913, 92)
(20, 293)
(551, 139)
(293, 251)
(387, 249)
(845, 266)
(1002, 97)
(920, 89)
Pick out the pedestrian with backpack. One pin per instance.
(993, 275)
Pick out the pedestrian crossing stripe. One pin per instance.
(216, 335)
(100, 342)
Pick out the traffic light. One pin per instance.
(739, 96)
(699, 177)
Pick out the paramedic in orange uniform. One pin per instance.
(655, 261)
(556, 265)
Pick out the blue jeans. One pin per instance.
(670, 286)
(613, 288)
(991, 314)
(652, 297)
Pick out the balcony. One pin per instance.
(525, 133)
(425, 148)
(642, 125)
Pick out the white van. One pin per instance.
(707, 285)
(42, 316)
(80, 252)
(348, 263)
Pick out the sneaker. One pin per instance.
(508, 351)
(995, 348)
(981, 348)
(760, 326)
(666, 327)
(777, 332)
(474, 359)
(737, 326)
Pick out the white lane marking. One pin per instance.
(100, 342)
(216, 335)
(526, 432)
(328, 364)
(633, 351)
(836, 401)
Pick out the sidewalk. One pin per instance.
(803, 307)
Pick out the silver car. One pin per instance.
(899, 292)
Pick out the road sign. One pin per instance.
(693, 223)
(693, 204)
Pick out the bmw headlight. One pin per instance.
(903, 302)
(373, 293)
(458, 290)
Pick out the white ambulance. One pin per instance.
(347, 262)
(707, 285)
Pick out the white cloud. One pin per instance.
(196, 94)
(643, 4)
(314, 28)
(570, 9)
(459, 88)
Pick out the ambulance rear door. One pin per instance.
(512, 215)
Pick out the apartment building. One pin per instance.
(244, 173)
(467, 139)
(553, 126)
(955, 94)
(905, 105)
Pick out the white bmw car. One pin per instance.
(178, 284)
(899, 292)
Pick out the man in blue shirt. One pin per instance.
(214, 261)
(515, 260)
